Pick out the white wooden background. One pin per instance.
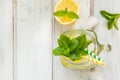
(28, 32)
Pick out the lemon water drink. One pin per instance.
(72, 51)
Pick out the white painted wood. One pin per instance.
(32, 59)
(6, 40)
(34, 40)
(111, 71)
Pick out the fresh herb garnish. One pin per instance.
(72, 48)
(65, 12)
(61, 13)
(112, 19)
(72, 15)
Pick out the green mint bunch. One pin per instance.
(73, 48)
(112, 19)
(65, 12)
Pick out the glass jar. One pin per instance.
(95, 47)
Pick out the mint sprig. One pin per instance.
(65, 12)
(73, 48)
(112, 19)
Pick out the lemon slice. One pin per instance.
(71, 5)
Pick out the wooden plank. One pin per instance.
(116, 46)
(34, 40)
(59, 71)
(6, 40)
(111, 71)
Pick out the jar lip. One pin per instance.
(75, 30)
(79, 31)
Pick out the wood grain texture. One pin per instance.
(27, 36)
(111, 71)
(33, 40)
(6, 40)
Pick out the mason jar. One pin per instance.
(95, 47)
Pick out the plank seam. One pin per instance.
(14, 12)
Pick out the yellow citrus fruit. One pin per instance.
(76, 61)
(71, 5)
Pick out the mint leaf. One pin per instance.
(62, 43)
(87, 42)
(112, 19)
(110, 24)
(81, 45)
(60, 13)
(106, 15)
(58, 51)
(74, 44)
(66, 10)
(115, 23)
(61, 51)
(75, 57)
(72, 15)
(66, 52)
(65, 39)
(82, 41)
(83, 53)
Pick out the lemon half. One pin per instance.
(71, 5)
